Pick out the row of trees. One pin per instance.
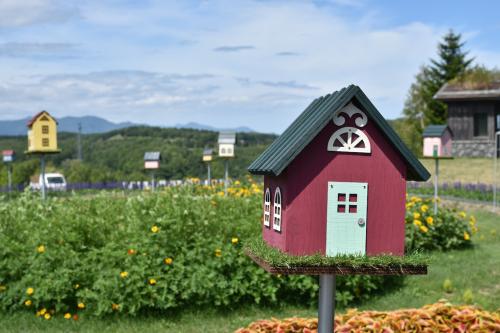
(118, 155)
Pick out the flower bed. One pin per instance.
(448, 229)
(111, 253)
(438, 317)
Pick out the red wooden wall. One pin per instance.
(304, 194)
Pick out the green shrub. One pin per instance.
(448, 229)
(176, 248)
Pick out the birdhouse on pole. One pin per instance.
(437, 141)
(42, 134)
(8, 156)
(227, 140)
(207, 158)
(335, 184)
(208, 155)
(152, 160)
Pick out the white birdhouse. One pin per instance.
(227, 141)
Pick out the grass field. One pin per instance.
(465, 170)
(474, 271)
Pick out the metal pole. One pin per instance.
(436, 177)
(326, 306)
(44, 194)
(226, 163)
(209, 176)
(152, 181)
(495, 164)
(9, 177)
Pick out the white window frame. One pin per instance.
(267, 207)
(278, 199)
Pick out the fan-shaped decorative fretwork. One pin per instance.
(349, 140)
(350, 110)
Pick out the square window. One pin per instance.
(340, 208)
(341, 197)
(353, 208)
(353, 197)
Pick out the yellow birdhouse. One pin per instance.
(42, 134)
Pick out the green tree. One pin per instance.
(452, 62)
(421, 109)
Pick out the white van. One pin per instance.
(53, 182)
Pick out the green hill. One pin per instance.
(118, 155)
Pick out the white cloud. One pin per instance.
(291, 52)
(17, 49)
(15, 13)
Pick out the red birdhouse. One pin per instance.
(335, 180)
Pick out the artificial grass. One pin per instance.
(277, 258)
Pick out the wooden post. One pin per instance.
(326, 304)
(43, 188)
(436, 177)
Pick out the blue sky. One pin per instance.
(222, 63)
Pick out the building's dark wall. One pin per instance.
(461, 118)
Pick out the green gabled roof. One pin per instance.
(435, 130)
(314, 118)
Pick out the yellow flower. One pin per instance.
(417, 223)
(3, 288)
(237, 183)
(30, 291)
(40, 249)
(466, 235)
(43, 311)
(154, 229)
(416, 215)
(67, 315)
(81, 305)
(234, 240)
(424, 208)
(415, 199)
(168, 261)
(46, 316)
(462, 214)
(152, 282)
(76, 286)
(423, 228)
(115, 307)
(429, 220)
(472, 220)
(220, 193)
(27, 302)
(123, 275)
(218, 252)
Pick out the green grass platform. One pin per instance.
(276, 262)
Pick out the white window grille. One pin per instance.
(267, 207)
(277, 210)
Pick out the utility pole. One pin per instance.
(79, 141)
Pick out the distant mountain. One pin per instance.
(90, 124)
(194, 125)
